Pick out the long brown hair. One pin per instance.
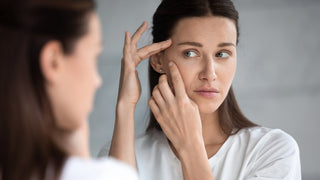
(167, 15)
(27, 124)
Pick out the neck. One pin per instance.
(75, 142)
(211, 130)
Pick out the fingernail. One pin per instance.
(170, 64)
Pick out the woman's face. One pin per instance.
(73, 93)
(204, 49)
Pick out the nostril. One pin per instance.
(208, 73)
(99, 81)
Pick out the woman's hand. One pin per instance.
(177, 114)
(180, 120)
(129, 86)
(122, 145)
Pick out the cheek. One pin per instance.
(85, 72)
(188, 74)
(82, 82)
(226, 73)
(187, 71)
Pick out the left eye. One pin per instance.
(222, 54)
(190, 54)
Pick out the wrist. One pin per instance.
(124, 112)
(123, 106)
(192, 147)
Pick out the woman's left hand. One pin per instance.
(176, 113)
(180, 120)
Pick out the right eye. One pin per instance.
(190, 54)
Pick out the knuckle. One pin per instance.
(155, 92)
(155, 87)
(175, 79)
(162, 83)
(158, 45)
(183, 102)
(170, 106)
(151, 101)
(172, 111)
(159, 118)
(162, 78)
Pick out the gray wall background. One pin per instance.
(277, 81)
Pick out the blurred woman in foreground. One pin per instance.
(48, 76)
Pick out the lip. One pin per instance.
(207, 92)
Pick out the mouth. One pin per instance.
(207, 92)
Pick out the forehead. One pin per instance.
(94, 27)
(211, 29)
(92, 39)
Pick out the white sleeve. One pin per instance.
(278, 158)
(100, 169)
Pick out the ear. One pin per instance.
(50, 60)
(156, 62)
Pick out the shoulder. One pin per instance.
(104, 168)
(154, 157)
(267, 137)
(272, 152)
(151, 147)
(153, 137)
(144, 141)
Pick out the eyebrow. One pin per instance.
(191, 43)
(226, 44)
(200, 45)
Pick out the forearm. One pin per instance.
(122, 145)
(195, 164)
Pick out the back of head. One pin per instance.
(27, 124)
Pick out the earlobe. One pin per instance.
(49, 59)
(156, 63)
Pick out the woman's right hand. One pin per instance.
(129, 86)
(122, 146)
(176, 113)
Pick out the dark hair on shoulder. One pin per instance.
(27, 124)
(166, 17)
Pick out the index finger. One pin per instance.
(177, 81)
(136, 36)
(152, 49)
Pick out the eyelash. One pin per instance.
(190, 50)
(224, 51)
(197, 53)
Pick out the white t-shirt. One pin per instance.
(99, 169)
(251, 154)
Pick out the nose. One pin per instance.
(208, 70)
(98, 80)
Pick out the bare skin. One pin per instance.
(199, 67)
(122, 145)
(71, 83)
(196, 80)
(179, 117)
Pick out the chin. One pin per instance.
(207, 109)
(207, 106)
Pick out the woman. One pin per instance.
(48, 76)
(196, 129)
